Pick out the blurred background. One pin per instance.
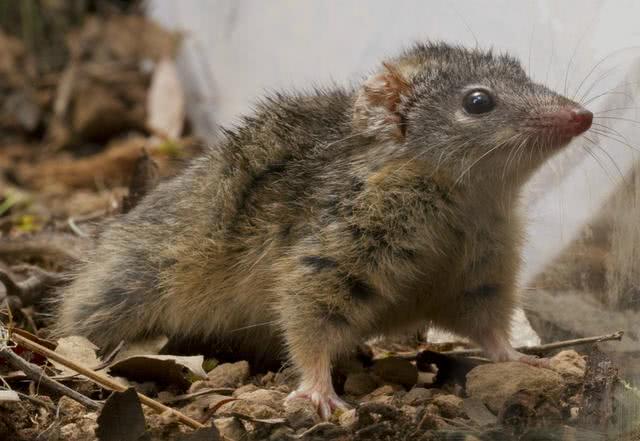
(86, 86)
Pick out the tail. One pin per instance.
(112, 296)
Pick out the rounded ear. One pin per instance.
(377, 102)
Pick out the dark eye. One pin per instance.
(478, 101)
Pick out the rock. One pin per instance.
(282, 433)
(78, 431)
(369, 413)
(255, 410)
(76, 423)
(68, 406)
(300, 413)
(229, 374)
(267, 397)
(387, 389)
(495, 383)
(360, 383)
(348, 419)
(528, 408)
(231, 428)
(244, 389)
(450, 406)
(409, 411)
(396, 370)
(383, 399)
(475, 409)
(570, 365)
(417, 396)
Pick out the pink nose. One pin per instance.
(580, 121)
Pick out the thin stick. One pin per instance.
(220, 390)
(38, 401)
(101, 379)
(547, 347)
(532, 349)
(36, 374)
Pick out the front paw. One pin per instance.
(324, 401)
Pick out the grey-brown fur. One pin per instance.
(333, 216)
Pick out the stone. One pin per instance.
(68, 406)
(409, 411)
(359, 383)
(229, 375)
(527, 408)
(396, 370)
(300, 413)
(387, 389)
(267, 397)
(282, 433)
(255, 410)
(383, 399)
(75, 423)
(476, 410)
(348, 419)
(570, 365)
(495, 383)
(450, 405)
(243, 389)
(231, 428)
(418, 396)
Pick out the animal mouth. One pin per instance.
(562, 125)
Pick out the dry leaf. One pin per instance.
(143, 347)
(163, 369)
(78, 349)
(165, 102)
(121, 418)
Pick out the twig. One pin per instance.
(212, 410)
(76, 229)
(101, 379)
(36, 374)
(549, 346)
(100, 366)
(38, 401)
(219, 390)
(32, 288)
(540, 349)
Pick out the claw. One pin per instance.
(324, 401)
